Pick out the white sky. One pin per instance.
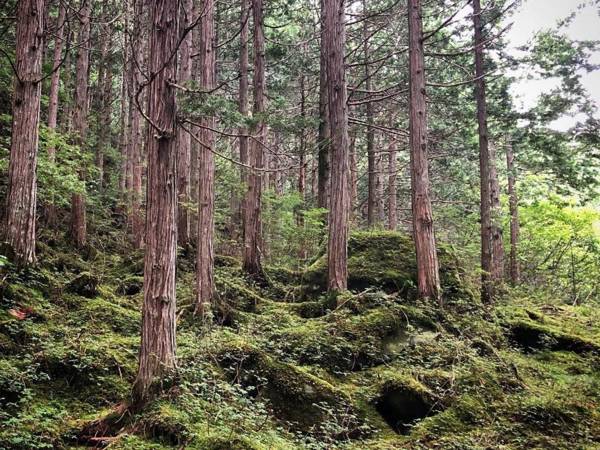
(536, 15)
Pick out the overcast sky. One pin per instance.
(536, 15)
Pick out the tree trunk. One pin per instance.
(80, 120)
(184, 140)
(334, 43)
(392, 188)
(353, 174)
(484, 160)
(206, 167)
(324, 132)
(252, 224)
(22, 183)
(134, 153)
(496, 218)
(243, 94)
(373, 175)
(380, 191)
(424, 236)
(157, 350)
(53, 98)
(513, 201)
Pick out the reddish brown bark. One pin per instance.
(51, 214)
(353, 174)
(324, 132)
(496, 219)
(157, 350)
(423, 232)
(184, 140)
(80, 120)
(513, 201)
(484, 160)
(392, 187)
(22, 183)
(205, 287)
(252, 204)
(337, 247)
(243, 90)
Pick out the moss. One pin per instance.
(386, 259)
(284, 385)
(84, 284)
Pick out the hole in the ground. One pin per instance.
(531, 338)
(401, 408)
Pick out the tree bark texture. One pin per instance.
(184, 140)
(157, 351)
(205, 288)
(334, 43)
(243, 94)
(496, 218)
(80, 120)
(423, 231)
(484, 160)
(253, 222)
(513, 201)
(324, 132)
(22, 182)
(392, 187)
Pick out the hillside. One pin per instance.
(281, 367)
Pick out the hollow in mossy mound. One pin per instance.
(386, 259)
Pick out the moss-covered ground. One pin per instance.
(284, 366)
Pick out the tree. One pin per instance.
(513, 201)
(427, 262)
(392, 194)
(22, 182)
(157, 350)
(184, 140)
(252, 203)
(53, 94)
(324, 132)
(80, 119)
(496, 220)
(484, 159)
(334, 43)
(206, 167)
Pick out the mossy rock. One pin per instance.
(85, 285)
(386, 260)
(130, 286)
(299, 399)
(531, 335)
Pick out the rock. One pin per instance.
(85, 284)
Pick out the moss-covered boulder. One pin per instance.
(386, 260)
(85, 284)
(301, 400)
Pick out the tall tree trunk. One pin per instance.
(513, 201)
(484, 160)
(392, 188)
(206, 168)
(22, 183)
(372, 175)
(243, 93)
(424, 236)
(496, 218)
(353, 174)
(124, 113)
(104, 92)
(324, 132)
(253, 222)
(157, 350)
(380, 190)
(184, 140)
(135, 140)
(334, 43)
(53, 97)
(80, 120)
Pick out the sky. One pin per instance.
(535, 15)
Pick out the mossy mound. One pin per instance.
(386, 260)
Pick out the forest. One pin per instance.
(299, 224)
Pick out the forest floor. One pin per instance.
(286, 367)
